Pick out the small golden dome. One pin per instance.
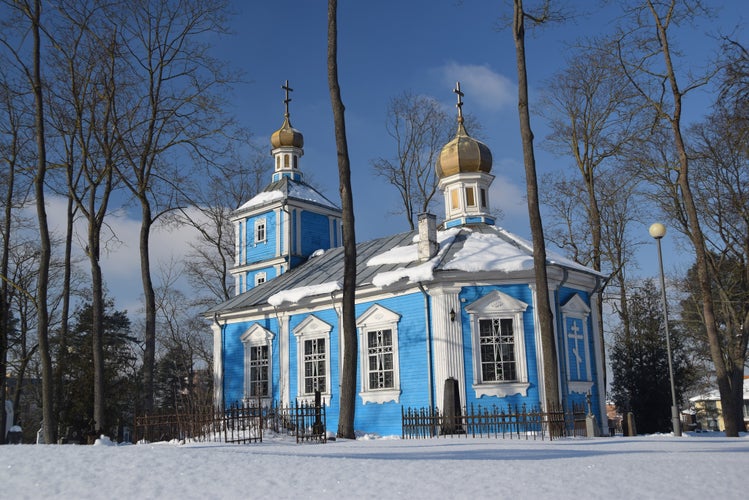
(287, 136)
(463, 154)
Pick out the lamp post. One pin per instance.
(658, 231)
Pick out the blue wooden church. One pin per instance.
(454, 301)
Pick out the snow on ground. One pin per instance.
(704, 465)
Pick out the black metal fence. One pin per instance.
(240, 423)
(518, 422)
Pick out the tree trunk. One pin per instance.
(45, 245)
(97, 334)
(543, 304)
(348, 323)
(149, 352)
(62, 342)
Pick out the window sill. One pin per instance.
(309, 399)
(502, 390)
(251, 401)
(579, 386)
(379, 397)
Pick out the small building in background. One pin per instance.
(709, 413)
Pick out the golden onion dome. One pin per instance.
(463, 154)
(287, 136)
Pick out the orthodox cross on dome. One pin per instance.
(287, 100)
(460, 102)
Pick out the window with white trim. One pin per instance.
(498, 361)
(314, 375)
(378, 348)
(260, 278)
(258, 358)
(498, 340)
(260, 233)
(313, 358)
(470, 197)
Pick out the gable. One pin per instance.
(312, 325)
(377, 315)
(576, 306)
(257, 334)
(496, 302)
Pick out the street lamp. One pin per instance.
(658, 231)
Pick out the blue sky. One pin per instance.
(387, 47)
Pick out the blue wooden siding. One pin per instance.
(315, 232)
(384, 418)
(258, 251)
(233, 362)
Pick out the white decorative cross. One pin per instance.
(575, 335)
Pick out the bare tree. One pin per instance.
(543, 306)
(648, 60)
(175, 108)
(209, 204)
(593, 120)
(721, 167)
(27, 14)
(15, 140)
(420, 127)
(348, 321)
(91, 69)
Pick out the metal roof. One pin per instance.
(328, 267)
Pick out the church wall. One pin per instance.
(385, 418)
(233, 376)
(521, 292)
(329, 316)
(258, 251)
(316, 232)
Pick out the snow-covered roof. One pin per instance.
(384, 262)
(262, 199)
(714, 395)
(289, 189)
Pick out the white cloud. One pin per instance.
(120, 255)
(508, 195)
(483, 86)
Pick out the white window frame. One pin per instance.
(576, 310)
(261, 229)
(310, 329)
(260, 278)
(378, 318)
(257, 336)
(498, 305)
